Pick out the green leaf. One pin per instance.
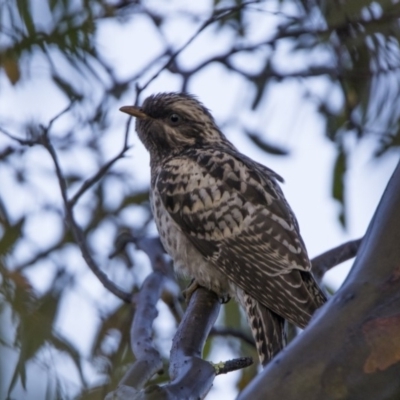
(53, 4)
(261, 82)
(36, 326)
(70, 179)
(25, 11)
(232, 316)
(269, 148)
(11, 68)
(338, 187)
(120, 319)
(208, 346)
(66, 346)
(386, 142)
(67, 88)
(17, 290)
(11, 234)
(334, 122)
(137, 198)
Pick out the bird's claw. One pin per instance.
(223, 299)
(190, 289)
(194, 285)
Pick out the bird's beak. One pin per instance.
(134, 111)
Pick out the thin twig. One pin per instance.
(233, 365)
(331, 258)
(216, 15)
(100, 173)
(60, 114)
(76, 230)
(220, 331)
(38, 256)
(23, 142)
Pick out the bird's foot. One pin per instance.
(194, 285)
(190, 289)
(224, 298)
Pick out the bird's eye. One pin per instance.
(174, 118)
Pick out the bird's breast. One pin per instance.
(188, 261)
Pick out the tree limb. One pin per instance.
(191, 376)
(148, 360)
(331, 258)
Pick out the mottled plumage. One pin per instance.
(224, 220)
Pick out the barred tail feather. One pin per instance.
(267, 328)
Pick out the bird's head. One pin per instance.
(168, 123)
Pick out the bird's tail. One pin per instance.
(267, 328)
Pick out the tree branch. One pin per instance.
(236, 333)
(23, 142)
(233, 365)
(216, 15)
(148, 360)
(331, 258)
(100, 173)
(76, 230)
(191, 376)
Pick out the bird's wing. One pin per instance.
(238, 219)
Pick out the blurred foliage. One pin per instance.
(353, 45)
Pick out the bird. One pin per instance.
(224, 220)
